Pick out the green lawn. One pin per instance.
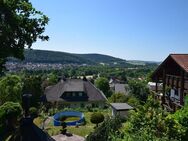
(81, 130)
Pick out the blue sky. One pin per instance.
(128, 29)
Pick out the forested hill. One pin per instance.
(100, 58)
(43, 56)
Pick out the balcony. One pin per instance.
(172, 104)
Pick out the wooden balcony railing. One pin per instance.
(172, 104)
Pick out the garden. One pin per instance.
(46, 121)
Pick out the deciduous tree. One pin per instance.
(102, 84)
(10, 89)
(139, 89)
(20, 26)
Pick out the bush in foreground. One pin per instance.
(97, 118)
(106, 130)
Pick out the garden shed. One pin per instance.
(120, 109)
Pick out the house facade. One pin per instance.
(75, 93)
(173, 75)
(118, 86)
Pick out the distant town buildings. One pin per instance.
(17, 66)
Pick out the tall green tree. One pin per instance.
(103, 84)
(10, 89)
(20, 26)
(139, 89)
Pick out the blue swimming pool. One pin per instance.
(57, 116)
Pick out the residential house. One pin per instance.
(75, 93)
(173, 74)
(118, 86)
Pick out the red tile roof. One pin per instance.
(181, 59)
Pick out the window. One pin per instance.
(73, 94)
(64, 95)
(80, 94)
(70, 94)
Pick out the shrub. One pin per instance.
(105, 132)
(151, 122)
(97, 118)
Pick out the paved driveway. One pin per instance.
(61, 137)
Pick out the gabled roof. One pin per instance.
(54, 93)
(180, 60)
(73, 85)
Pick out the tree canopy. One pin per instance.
(139, 89)
(10, 89)
(102, 84)
(20, 26)
(9, 112)
(151, 122)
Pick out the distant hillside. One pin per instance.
(43, 56)
(99, 58)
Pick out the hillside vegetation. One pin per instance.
(42, 56)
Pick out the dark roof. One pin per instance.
(72, 85)
(174, 63)
(54, 93)
(121, 106)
